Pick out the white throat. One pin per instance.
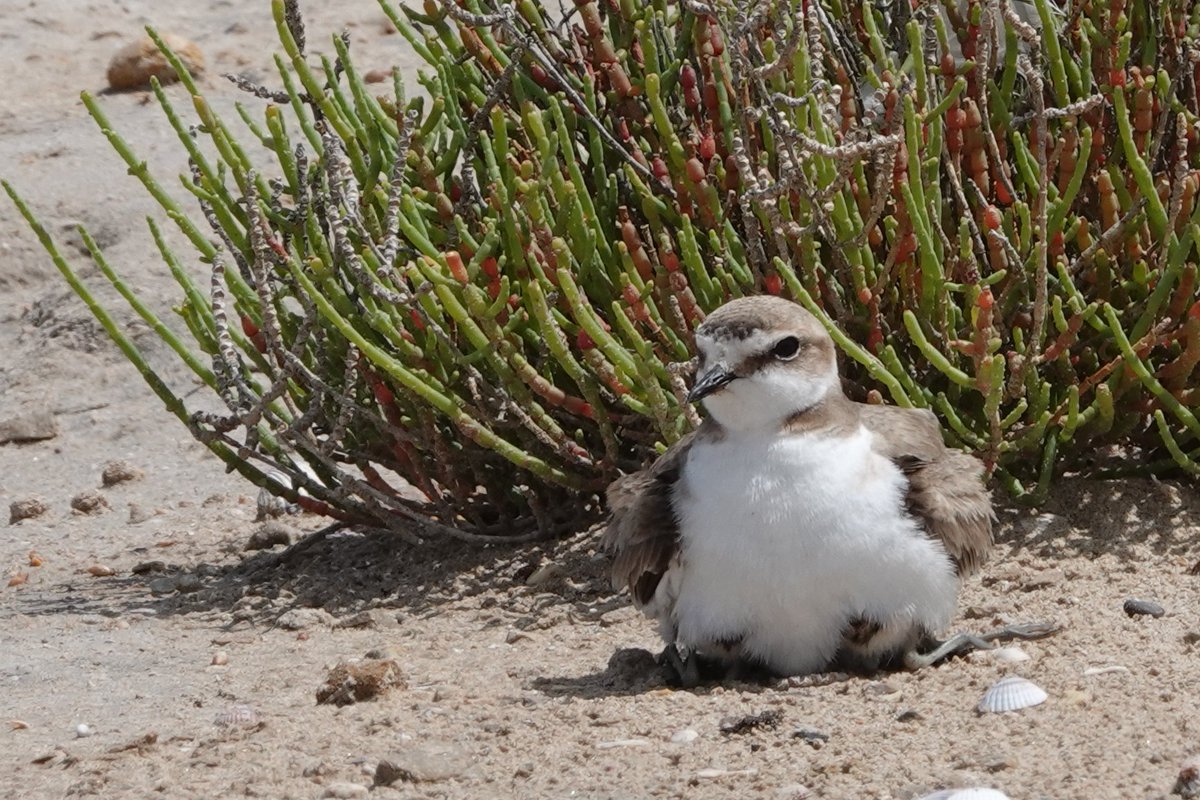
(765, 399)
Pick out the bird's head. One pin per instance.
(761, 361)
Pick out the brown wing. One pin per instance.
(946, 490)
(643, 533)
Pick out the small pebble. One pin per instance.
(28, 508)
(144, 567)
(269, 535)
(815, 738)
(161, 586)
(100, 571)
(137, 62)
(82, 731)
(31, 427)
(220, 658)
(138, 515)
(1143, 608)
(189, 583)
(685, 736)
(119, 472)
(345, 790)
(89, 502)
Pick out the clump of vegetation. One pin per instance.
(471, 310)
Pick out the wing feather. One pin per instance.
(946, 490)
(643, 532)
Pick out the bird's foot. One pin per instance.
(683, 666)
(963, 643)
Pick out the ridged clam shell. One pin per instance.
(1012, 694)
(972, 793)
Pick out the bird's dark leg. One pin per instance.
(963, 643)
(683, 665)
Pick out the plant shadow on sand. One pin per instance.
(534, 586)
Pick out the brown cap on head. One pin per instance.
(742, 318)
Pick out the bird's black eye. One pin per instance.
(786, 348)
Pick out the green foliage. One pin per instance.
(488, 293)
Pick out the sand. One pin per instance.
(521, 675)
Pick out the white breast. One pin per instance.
(786, 539)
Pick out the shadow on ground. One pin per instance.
(343, 571)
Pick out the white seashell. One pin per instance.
(684, 736)
(1012, 694)
(971, 793)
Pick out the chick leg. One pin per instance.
(963, 643)
(683, 665)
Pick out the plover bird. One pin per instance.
(796, 530)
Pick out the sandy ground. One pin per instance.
(522, 676)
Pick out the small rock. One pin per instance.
(685, 736)
(1143, 608)
(19, 579)
(1191, 637)
(100, 571)
(137, 62)
(816, 739)
(355, 682)
(18, 724)
(89, 502)
(1043, 580)
(512, 637)
(377, 75)
(82, 731)
(119, 472)
(428, 762)
(28, 508)
(161, 586)
(32, 427)
(910, 715)
(345, 790)
(269, 535)
(1187, 785)
(545, 574)
(219, 659)
(188, 583)
(138, 515)
(361, 619)
(749, 722)
(298, 619)
(143, 567)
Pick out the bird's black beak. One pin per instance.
(711, 381)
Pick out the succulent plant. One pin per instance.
(465, 312)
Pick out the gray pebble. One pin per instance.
(269, 535)
(1141, 608)
(162, 586)
(189, 583)
(426, 762)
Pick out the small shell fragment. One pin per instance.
(237, 717)
(1005, 655)
(970, 793)
(685, 736)
(1011, 694)
(1105, 670)
(1143, 608)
